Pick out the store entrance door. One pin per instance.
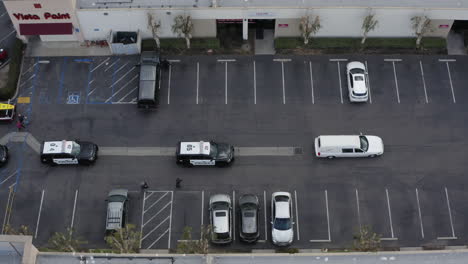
(264, 36)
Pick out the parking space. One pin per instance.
(329, 80)
(188, 211)
(459, 79)
(156, 219)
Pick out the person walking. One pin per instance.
(144, 185)
(178, 181)
(20, 122)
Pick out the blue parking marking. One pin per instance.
(73, 98)
(62, 77)
(44, 97)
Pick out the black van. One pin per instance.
(150, 71)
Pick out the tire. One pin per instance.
(330, 157)
(372, 156)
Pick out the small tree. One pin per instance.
(368, 24)
(124, 240)
(154, 26)
(65, 242)
(421, 26)
(22, 231)
(309, 28)
(189, 246)
(366, 240)
(183, 26)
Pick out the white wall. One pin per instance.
(336, 22)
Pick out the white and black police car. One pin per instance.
(203, 153)
(69, 152)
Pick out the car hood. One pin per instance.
(87, 149)
(224, 151)
(376, 145)
(282, 236)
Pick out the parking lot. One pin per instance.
(413, 195)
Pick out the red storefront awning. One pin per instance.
(46, 29)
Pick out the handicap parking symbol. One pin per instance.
(73, 98)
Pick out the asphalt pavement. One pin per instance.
(414, 195)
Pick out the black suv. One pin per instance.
(249, 207)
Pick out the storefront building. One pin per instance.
(65, 20)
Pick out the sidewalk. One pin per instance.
(64, 48)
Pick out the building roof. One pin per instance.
(95, 4)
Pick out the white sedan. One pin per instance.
(357, 82)
(281, 219)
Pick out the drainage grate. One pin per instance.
(297, 151)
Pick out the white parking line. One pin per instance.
(39, 214)
(158, 239)
(338, 59)
(450, 79)
(198, 78)
(311, 82)
(3, 14)
(328, 223)
(446, 60)
(297, 216)
(282, 76)
(368, 83)
(450, 212)
(74, 210)
(389, 213)
(123, 66)
(234, 213)
(111, 65)
(424, 85)
(358, 210)
(225, 85)
(1, 40)
(170, 222)
(152, 230)
(168, 85)
(396, 81)
(29, 69)
(202, 206)
(226, 60)
(131, 91)
(7, 178)
(151, 206)
(24, 82)
(339, 80)
(265, 215)
(95, 68)
(123, 76)
(142, 216)
(255, 83)
(282, 60)
(121, 88)
(419, 213)
(162, 209)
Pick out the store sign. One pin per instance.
(45, 16)
(283, 25)
(261, 14)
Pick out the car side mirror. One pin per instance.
(360, 133)
(271, 222)
(293, 223)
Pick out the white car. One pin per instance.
(282, 223)
(357, 82)
(348, 146)
(221, 218)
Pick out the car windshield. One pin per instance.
(222, 235)
(282, 223)
(359, 78)
(75, 149)
(213, 150)
(364, 143)
(356, 70)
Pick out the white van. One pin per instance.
(353, 146)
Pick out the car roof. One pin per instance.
(282, 210)
(221, 223)
(191, 148)
(54, 147)
(249, 224)
(114, 215)
(340, 141)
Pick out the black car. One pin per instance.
(249, 207)
(3, 155)
(69, 152)
(204, 153)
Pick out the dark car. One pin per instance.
(117, 203)
(69, 152)
(3, 155)
(203, 153)
(149, 80)
(249, 207)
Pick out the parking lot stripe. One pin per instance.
(234, 213)
(198, 79)
(424, 86)
(100, 64)
(142, 216)
(74, 210)
(265, 215)
(358, 210)
(450, 212)
(29, 69)
(123, 76)
(311, 82)
(121, 88)
(450, 79)
(297, 216)
(152, 230)
(282, 76)
(255, 83)
(389, 213)
(170, 221)
(162, 209)
(339, 80)
(419, 213)
(225, 83)
(8, 208)
(328, 223)
(158, 239)
(368, 83)
(396, 81)
(39, 214)
(202, 206)
(447, 60)
(160, 198)
(7, 178)
(25, 81)
(168, 85)
(110, 66)
(146, 197)
(131, 91)
(1, 40)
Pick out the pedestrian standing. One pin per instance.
(178, 181)
(144, 185)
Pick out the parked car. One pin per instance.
(221, 218)
(351, 146)
(281, 219)
(3, 155)
(117, 203)
(249, 206)
(357, 81)
(3, 56)
(150, 75)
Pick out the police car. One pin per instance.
(203, 153)
(68, 152)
